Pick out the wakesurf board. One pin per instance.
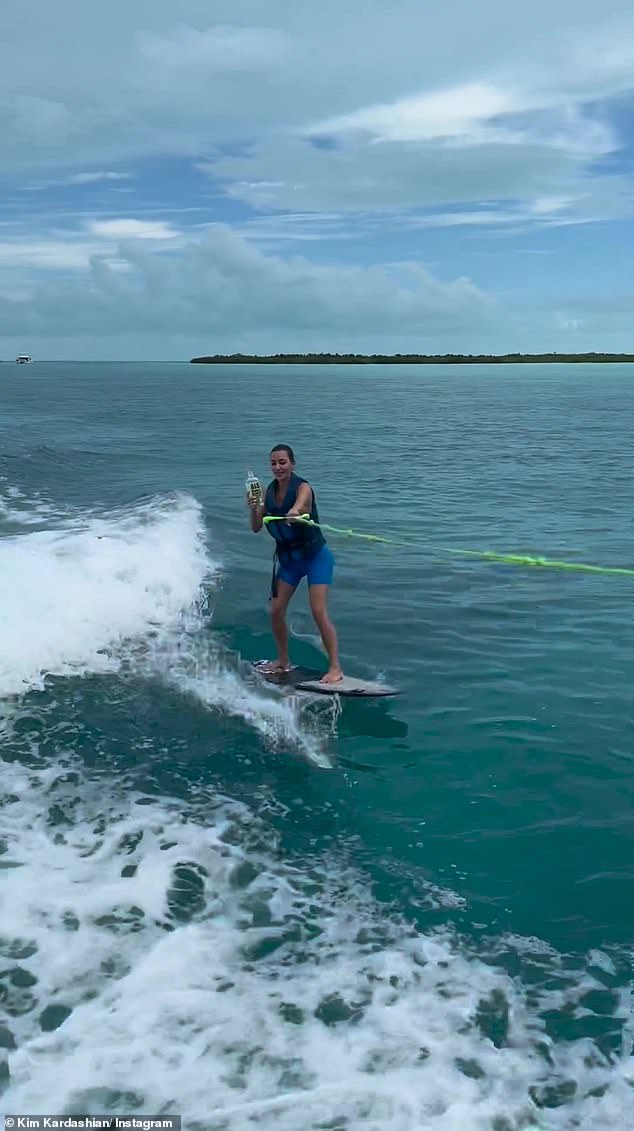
(309, 680)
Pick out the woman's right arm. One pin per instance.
(257, 514)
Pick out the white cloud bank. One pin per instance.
(490, 116)
(155, 78)
(223, 286)
(221, 293)
(74, 249)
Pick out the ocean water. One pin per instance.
(276, 911)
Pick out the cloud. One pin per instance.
(73, 250)
(480, 114)
(220, 292)
(36, 118)
(550, 205)
(453, 112)
(81, 179)
(290, 174)
(566, 324)
(227, 288)
(48, 254)
(469, 143)
(93, 178)
(140, 85)
(125, 229)
(224, 48)
(365, 130)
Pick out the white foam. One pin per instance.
(130, 587)
(281, 719)
(69, 597)
(23, 510)
(282, 999)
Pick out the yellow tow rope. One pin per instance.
(485, 555)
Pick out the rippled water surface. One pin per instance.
(292, 912)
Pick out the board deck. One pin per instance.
(309, 680)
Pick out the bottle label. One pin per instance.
(254, 487)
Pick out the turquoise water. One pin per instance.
(286, 912)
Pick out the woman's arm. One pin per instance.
(257, 514)
(303, 502)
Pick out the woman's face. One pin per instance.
(281, 465)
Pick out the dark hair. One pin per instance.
(284, 448)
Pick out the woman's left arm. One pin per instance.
(303, 503)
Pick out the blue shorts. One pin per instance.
(318, 569)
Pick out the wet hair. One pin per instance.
(284, 448)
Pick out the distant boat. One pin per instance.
(23, 359)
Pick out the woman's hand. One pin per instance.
(257, 513)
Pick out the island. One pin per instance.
(408, 358)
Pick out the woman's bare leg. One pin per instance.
(279, 605)
(318, 596)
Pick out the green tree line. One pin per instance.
(407, 358)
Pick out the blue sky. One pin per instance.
(218, 176)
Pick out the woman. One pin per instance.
(300, 551)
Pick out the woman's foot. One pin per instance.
(333, 675)
(272, 667)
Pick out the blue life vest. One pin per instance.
(293, 541)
